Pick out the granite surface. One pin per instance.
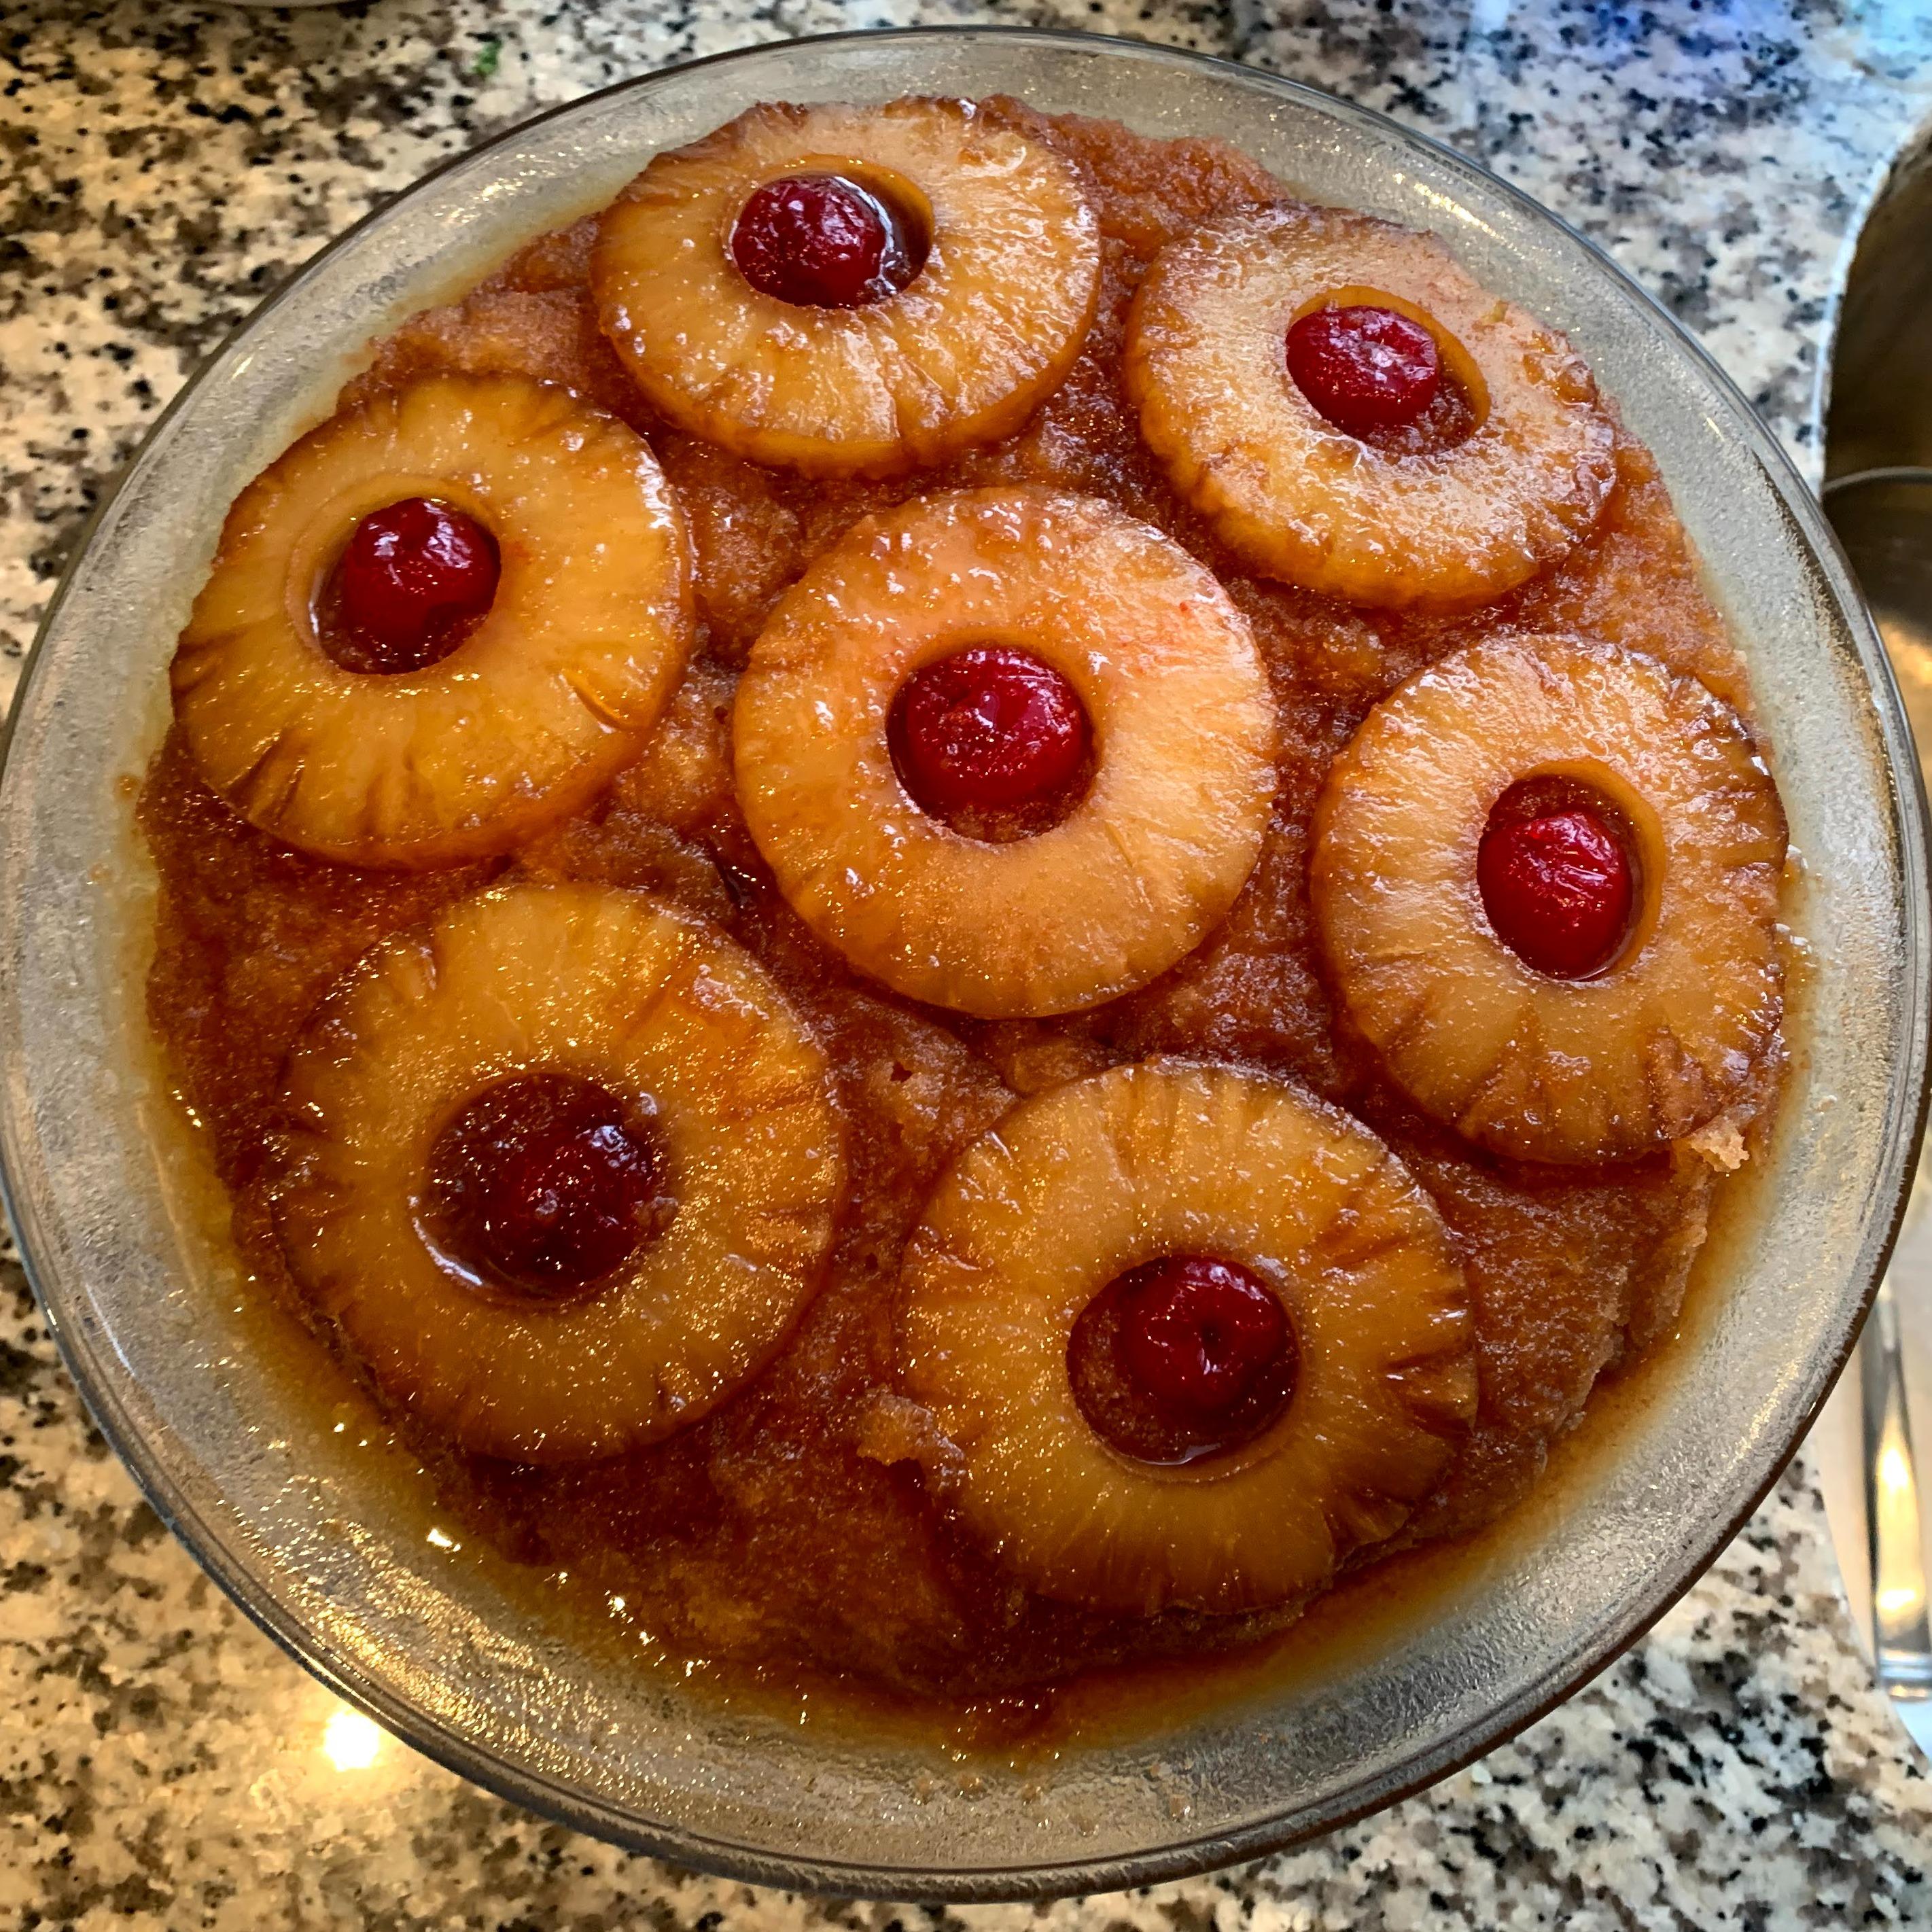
(160, 1764)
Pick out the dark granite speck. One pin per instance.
(161, 167)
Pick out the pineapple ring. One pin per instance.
(984, 333)
(1297, 498)
(614, 986)
(1128, 883)
(1077, 1186)
(530, 717)
(1681, 1026)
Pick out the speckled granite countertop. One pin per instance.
(160, 1764)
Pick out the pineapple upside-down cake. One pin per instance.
(966, 900)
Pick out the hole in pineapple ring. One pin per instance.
(992, 741)
(1461, 403)
(1184, 1357)
(832, 233)
(1567, 870)
(541, 1186)
(394, 576)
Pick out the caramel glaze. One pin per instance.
(766, 1535)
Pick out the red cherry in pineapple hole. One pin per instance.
(991, 729)
(1197, 1334)
(413, 577)
(822, 241)
(1557, 883)
(1365, 368)
(1182, 1357)
(545, 1184)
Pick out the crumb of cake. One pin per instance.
(1721, 1143)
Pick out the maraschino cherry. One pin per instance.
(1182, 1357)
(821, 241)
(1364, 368)
(987, 729)
(543, 1184)
(1197, 1334)
(1558, 888)
(413, 576)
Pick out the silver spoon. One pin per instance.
(1884, 519)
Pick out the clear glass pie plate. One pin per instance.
(329, 1554)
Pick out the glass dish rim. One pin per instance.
(556, 1798)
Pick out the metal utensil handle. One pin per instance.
(1901, 1638)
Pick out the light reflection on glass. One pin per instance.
(1911, 653)
(351, 1742)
